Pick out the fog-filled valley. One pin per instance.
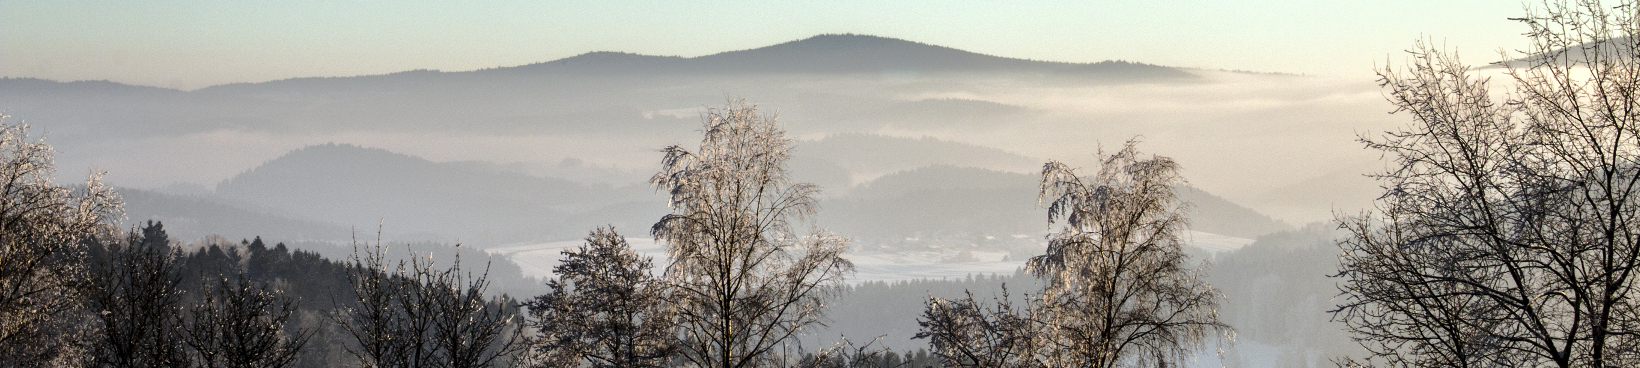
(928, 159)
(1283, 144)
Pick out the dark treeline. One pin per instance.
(162, 303)
(146, 288)
(148, 268)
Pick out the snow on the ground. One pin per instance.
(1215, 243)
(538, 259)
(928, 265)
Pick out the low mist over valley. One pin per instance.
(1281, 144)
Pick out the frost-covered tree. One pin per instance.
(967, 333)
(42, 266)
(605, 308)
(1509, 230)
(1117, 291)
(744, 280)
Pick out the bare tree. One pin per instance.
(239, 324)
(965, 333)
(376, 322)
(605, 308)
(468, 329)
(134, 292)
(1116, 290)
(1507, 233)
(41, 259)
(418, 315)
(414, 311)
(744, 281)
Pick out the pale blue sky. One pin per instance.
(192, 44)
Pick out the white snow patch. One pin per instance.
(538, 259)
(926, 265)
(1215, 243)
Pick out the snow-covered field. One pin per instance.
(537, 260)
(1215, 243)
(928, 265)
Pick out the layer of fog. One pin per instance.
(1284, 145)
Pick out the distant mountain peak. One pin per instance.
(332, 150)
(850, 40)
(852, 36)
(608, 56)
(841, 53)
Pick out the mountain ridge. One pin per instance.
(846, 53)
(820, 54)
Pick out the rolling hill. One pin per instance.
(319, 192)
(192, 217)
(357, 186)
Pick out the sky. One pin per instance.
(190, 44)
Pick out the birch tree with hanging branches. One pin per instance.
(744, 280)
(1117, 291)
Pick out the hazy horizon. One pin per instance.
(189, 45)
